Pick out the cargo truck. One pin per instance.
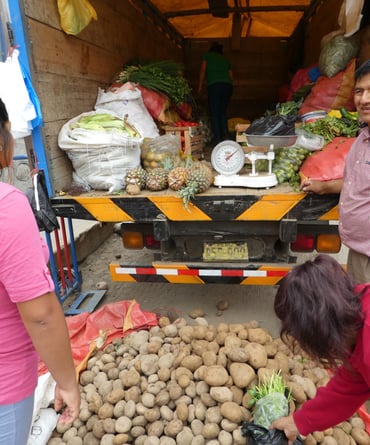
(241, 235)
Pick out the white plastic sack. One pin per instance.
(100, 158)
(44, 419)
(43, 427)
(127, 100)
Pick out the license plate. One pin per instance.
(225, 252)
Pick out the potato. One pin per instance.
(211, 431)
(173, 427)
(329, 440)
(242, 374)
(257, 355)
(310, 440)
(360, 436)
(98, 429)
(340, 436)
(216, 375)
(232, 411)
(105, 411)
(258, 335)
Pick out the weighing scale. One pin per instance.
(228, 159)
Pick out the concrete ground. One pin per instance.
(243, 303)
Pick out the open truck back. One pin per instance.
(231, 234)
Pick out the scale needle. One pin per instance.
(230, 155)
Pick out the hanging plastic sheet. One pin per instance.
(350, 16)
(75, 15)
(15, 95)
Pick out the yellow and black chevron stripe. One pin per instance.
(238, 207)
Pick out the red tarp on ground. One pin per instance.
(113, 320)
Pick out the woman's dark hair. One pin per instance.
(216, 47)
(6, 138)
(319, 309)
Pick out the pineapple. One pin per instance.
(177, 178)
(136, 175)
(156, 179)
(199, 179)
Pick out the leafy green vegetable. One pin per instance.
(164, 77)
(273, 384)
(330, 127)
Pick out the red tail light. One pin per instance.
(303, 243)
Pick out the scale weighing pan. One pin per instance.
(260, 140)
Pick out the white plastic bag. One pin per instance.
(127, 100)
(14, 93)
(100, 158)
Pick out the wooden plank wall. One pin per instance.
(68, 70)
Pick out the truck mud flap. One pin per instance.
(189, 274)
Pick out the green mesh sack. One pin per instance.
(336, 54)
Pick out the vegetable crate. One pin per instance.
(191, 139)
(240, 133)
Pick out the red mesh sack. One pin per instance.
(156, 103)
(328, 163)
(300, 79)
(332, 93)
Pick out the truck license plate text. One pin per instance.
(225, 252)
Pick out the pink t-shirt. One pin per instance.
(354, 203)
(24, 275)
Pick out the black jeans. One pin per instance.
(219, 95)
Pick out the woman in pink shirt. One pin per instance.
(329, 317)
(32, 322)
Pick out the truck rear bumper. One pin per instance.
(182, 273)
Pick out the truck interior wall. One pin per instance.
(262, 65)
(68, 70)
(324, 21)
(259, 68)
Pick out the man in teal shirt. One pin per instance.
(216, 68)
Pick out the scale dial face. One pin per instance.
(228, 158)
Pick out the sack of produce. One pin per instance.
(327, 164)
(127, 101)
(102, 148)
(336, 54)
(288, 162)
(162, 151)
(330, 93)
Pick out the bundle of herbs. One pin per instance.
(163, 76)
(269, 400)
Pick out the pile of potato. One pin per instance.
(188, 384)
